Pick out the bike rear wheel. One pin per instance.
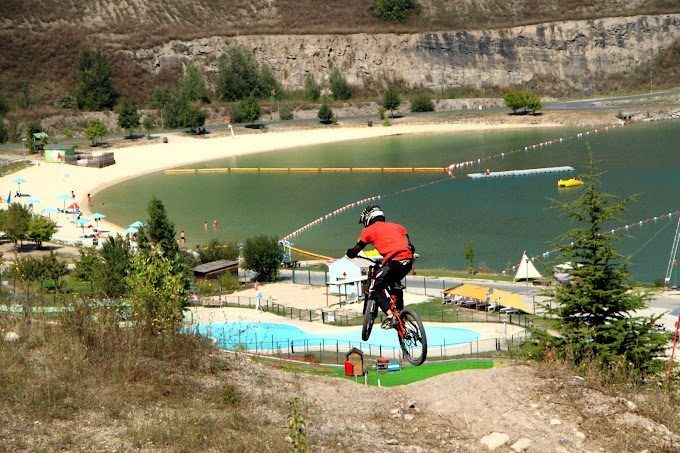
(370, 312)
(414, 342)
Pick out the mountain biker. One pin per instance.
(392, 242)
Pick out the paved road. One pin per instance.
(584, 104)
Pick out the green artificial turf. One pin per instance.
(407, 375)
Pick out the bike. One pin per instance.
(410, 330)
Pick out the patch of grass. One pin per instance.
(13, 167)
(407, 375)
(443, 272)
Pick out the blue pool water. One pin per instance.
(268, 335)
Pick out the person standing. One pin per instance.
(215, 225)
(182, 237)
(205, 225)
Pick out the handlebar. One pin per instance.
(378, 260)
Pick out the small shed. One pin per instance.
(345, 276)
(356, 357)
(214, 269)
(55, 153)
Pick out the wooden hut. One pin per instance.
(214, 269)
(356, 356)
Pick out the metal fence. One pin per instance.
(340, 318)
(329, 350)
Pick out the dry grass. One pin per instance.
(41, 38)
(81, 382)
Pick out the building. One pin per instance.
(213, 269)
(346, 275)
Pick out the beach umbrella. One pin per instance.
(64, 197)
(18, 182)
(131, 230)
(137, 224)
(82, 222)
(32, 201)
(97, 217)
(50, 211)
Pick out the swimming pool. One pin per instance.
(269, 335)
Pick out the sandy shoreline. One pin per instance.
(46, 181)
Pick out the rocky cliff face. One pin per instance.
(573, 54)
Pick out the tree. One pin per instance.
(111, 267)
(470, 256)
(33, 127)
(218, 250)
(393, 10)
(514, 100)
(339, 86)
(128, 118)
(237, 75)
(160, 97)
(391, 100)
(94, 90)
(16, 223)
(595, 310)
(193, 118)
(24, 101)
(156, 292)
(53, 269)
(325, 113)
(4, 105)
(4, 134)
(88, 265)
(250, 109)
(268, 84)
(159, 230)
(41, 229)
(422, 103)
(533, 103)
(96, 130)
(149, 124)
(192, 86)
(311, 88)
(263, 254)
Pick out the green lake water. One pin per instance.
(503, 216)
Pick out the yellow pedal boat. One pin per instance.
(571, 182)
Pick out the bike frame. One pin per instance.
(372, 272)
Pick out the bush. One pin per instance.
(522, 99)
(381, 112)
(325, 113)
(422, 103)
(235, 112)
(340, 89)
(205, 287)
(66, 102)
(311, 88)
(391, 100)
(229, 282)
(250, 109)
(393, 10)
(4, 134)
(285, 113)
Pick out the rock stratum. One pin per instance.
(572, 55)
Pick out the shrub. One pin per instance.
(268, 85)
(339, 87)
(381, 112)
(422, 103)
(66, 102)
(192, 86)
(325, 113)
(235, 112)
(285, 113)
(237, 75)
(250, 109)
(128, 118)
(205, 287)
(393, 10)
(311, 88)
(229, 282)
(391, 100)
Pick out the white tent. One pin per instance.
(526, 269)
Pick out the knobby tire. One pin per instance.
(415, 339)
(370, 313)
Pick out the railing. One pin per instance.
(11, 160)
(329, 350)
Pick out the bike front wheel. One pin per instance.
(370, 313)
(414, 341)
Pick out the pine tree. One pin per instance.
(595, 308)
(128, 118)
(237, 75)
(325, 113)
(95, 88)
(391, 100)
(340, 89)
(269, 85)
(311, 88)
(160, 230)
(192, 86)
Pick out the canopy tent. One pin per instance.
(508, 299)
(526, 269)
(467, 290)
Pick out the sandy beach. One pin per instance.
(47, 181)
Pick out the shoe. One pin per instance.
(389, 323)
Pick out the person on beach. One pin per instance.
(205, 225)
(182, 237)
(73, 195)
(215, 223)
(392, 242)
(89, 199)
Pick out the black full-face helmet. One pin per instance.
(371, 214)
